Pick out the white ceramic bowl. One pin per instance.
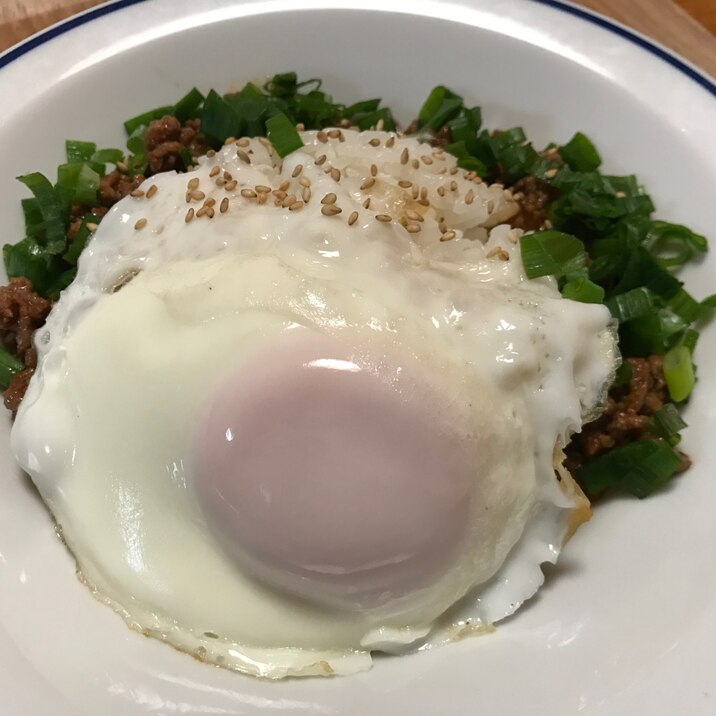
(627, 622)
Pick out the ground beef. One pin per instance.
(78, 213)
(115, 186)
(625, 419)
(22, 312)
(533, 197)
(165, 139)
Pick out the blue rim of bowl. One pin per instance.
(676, 62)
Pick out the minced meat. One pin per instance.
(533, 197)
(165, 139)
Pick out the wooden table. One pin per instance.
(687, 26)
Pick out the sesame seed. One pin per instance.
(448, 236)
(366, 203)
(214, 171)
(136, 193)
(405, 184)
(283, 186)
(498, 253)
(277, 202)
(248, 193)
(230, 140)
(224, 206)
(383, 218)
(153, 189)
(424, 192)
(245, 158)
(334, 133)
(353, 218)
(243, 142)
(220, 182)
(193, 184)
(140, 224)
(262, 198)
(296, 206)
(227, 176)
(453, 185)
(390, 141)
(375, 142)
(297, 170)
(425, 159)
(280, 195)
(416, 164)
(290, 199)
(413, 215)
(211, 153)
(345, 123)
(490, 206)
(453, 171)
(306, 194)
(266, 143)
(300, 127)
(230, 186)
(329, 199)
(189, 216)
(322, 137)
(441, 190)
(367, 183)
(330, 210)
(404, 156)
(197, 195)
(412, 228)
(202, 212)
(210, 202)
(508, 195)
(379, 125)
(415, 191)
(547, 224)
(335, 174)
(122, 167)
(91, 227)
(424, 202)
(373, 170)
(619, 194)
(470, 197)
(262, 189)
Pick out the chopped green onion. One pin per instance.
(709, 301)
(580, 154)
(9, 366)
(218, 119)
(34, 262)
(631, 304)
(81, 180)
(107, 156)
(78, 152)
(53, 208)
(679, 373)
(551, 253)
(188, 106)
(623, 374)
(282, 133)
(583, 290)
(666, 423)
(638, 468)
(441, 106)
(371, 119)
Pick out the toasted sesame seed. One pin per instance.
(211, 153)
(497, 185)
(413, 215)
(330, 210)
(210, 202)
(335, 174)
(153, 189)
(227, 176)
(470, 197)
(442, 227)
(366, 203)
(220, 182)
(375, 142)
(245, 158)
(441, 190)
(329, 199)
(261, 199)
(230, 140)
(367, 183)
(345, 123)
(412, 228)
(322, 137)
(379, 125)
(438, 152)
(91, 227)
(373, 170)
(424, 202)
(425, 159)
(248, 193)
(214, 170)
(202, 212)
(197, 195)
(224, 206)
(448, 236)
(243, 142)
(490, 206)
(334, 133)
(277, 202)
(122, 167)
(424, 192)
(507, 194)
(300, 126)
(189, 215)
(137, 193)
(415, 164)
(296, 206)
(193, 184)
(390, 141)
(353, 218)
(453, 171)
(290, 199)
(266, 143)
(280, 195)
(547, 224)
(230, 186)
(306, 194)
(404, 156)
(383, 218)
(453, 185)
(262, 189)
(140, 224)
(405, 184)
(618, 194)
(283, 186)
(297, 170)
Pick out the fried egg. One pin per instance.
(293, 412)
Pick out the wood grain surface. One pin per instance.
(686, 26)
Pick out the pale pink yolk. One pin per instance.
(332, 477)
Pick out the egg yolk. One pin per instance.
(338, 478)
